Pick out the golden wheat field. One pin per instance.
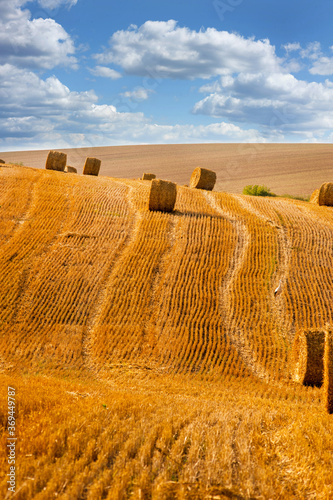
(146, 353)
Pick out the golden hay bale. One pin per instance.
(162, 195)
(202, 178)
(70, 170)
(325, 196)
(148, 177)
(56, 161)
(307, 357)
(92, 166)
(314, 198)
(328, 370)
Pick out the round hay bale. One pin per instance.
(2, 161)
(202, 178)
(70, 170)
(314, 198)
(162, 195)
(92, 166)
(148, 177)
(328, 370)
(56, 161)
(325, 196)
(307, 357)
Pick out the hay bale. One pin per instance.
(307, 357)
(328, 370)
(314, 198)
(70, 170)
(148, 177)
(325, 196)
(56, 161)
(162, 195)
(202, 178)
(92, 166)
(2, 161)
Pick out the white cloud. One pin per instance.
(272, 102)
(138, 94)
(105, 72)
(36, 43)
(312, 51)
(323, 66)
(164, 50)
(45, 113)
(292, 47)
(54, 4)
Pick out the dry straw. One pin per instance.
(162, 195)
(314, 198)
(148, 177)
(70, 170)
(92, 166)
(325, 196)
(202, 178)
(328, 370)
(307, 357)
(56, 161)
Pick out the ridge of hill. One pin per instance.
(296, 169)
(148, 352)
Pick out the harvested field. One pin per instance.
(297, 169)
(148, 354)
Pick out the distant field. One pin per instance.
(296, 169)
(148, 355)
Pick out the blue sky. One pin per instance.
(77, 73)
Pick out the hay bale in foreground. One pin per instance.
(328, 370)
(307, 357)
(314, 198)
(148, 177)
(202, 178)
(70, 170)
(92, 166)
(56, 161)
(325, 196)
(162, 195)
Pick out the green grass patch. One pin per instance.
(256, 190)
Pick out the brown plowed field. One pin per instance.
(296, 169)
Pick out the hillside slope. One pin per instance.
(297, 169)
(156, 350)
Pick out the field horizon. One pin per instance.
(295, 169)
(146, 352)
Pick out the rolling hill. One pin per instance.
(147, 352)
(296, 169)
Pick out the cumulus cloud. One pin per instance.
(272, 101)
(138, 94)
(165, 50)
(46, 113)
(105, 72)
(320, 64)
(292, 47)
(323, 66)
(32, 43)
